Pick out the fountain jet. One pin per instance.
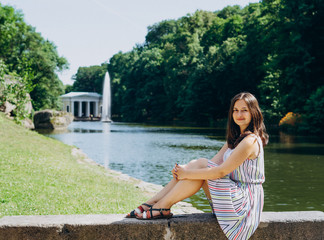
(106, 100)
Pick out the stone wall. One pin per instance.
(274, 226)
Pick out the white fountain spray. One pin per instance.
(106, 100)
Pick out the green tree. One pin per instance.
(314, 113)
(27, 54)
(90, 79)
(161, 32)
(198, 62)
(293, 65)
(68, 88)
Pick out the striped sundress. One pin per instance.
(237, 198)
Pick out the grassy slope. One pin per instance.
(39, 176)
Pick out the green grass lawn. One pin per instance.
(39, 176)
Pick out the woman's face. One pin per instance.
(241, 114)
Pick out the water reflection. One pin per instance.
(293, 164)
(52, 131)
(106, 141)
(81, 130)
(286, 138)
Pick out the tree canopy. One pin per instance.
(27, 54)
(188, 69)
(89, 79)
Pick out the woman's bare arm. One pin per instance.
(245, 148)
(218, 158)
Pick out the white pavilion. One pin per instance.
(82, 104)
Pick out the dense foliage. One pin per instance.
(34, 60)
(89, 79)
(188, 69)
(14, 90)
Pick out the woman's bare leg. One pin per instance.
(177, 190)
(194, 164)
(182, 190)
(206, 189)
(163, 192)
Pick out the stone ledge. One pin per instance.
(274, 225)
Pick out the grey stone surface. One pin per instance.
(291, 225)
(274, 225)
(7, 108)
(28, 123)
(51, 119)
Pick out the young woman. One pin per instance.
(232, 179)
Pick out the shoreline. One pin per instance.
(149, 189)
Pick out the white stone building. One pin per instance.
(82, 104)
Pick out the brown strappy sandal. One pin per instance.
(148, 215)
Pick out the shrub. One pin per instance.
(312, 119)
(14, 90)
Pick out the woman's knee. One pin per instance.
(198, 163)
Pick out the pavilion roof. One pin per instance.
(81, 94)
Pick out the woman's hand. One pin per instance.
(179, 172)
(174, 172)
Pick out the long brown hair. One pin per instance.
(256, 126)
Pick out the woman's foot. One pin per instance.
(155, 213)
(139, 210)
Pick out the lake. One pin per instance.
(293, 164)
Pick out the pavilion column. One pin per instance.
(80, 109)
(72, 107)
(95, 107)
(88, 109)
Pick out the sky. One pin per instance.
(90, 32)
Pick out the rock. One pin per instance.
(51, 119)
(8, 108)
(9, 105)
(28, 123)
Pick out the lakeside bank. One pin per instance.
(43, 176)
(32, 164)
(149, 189)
